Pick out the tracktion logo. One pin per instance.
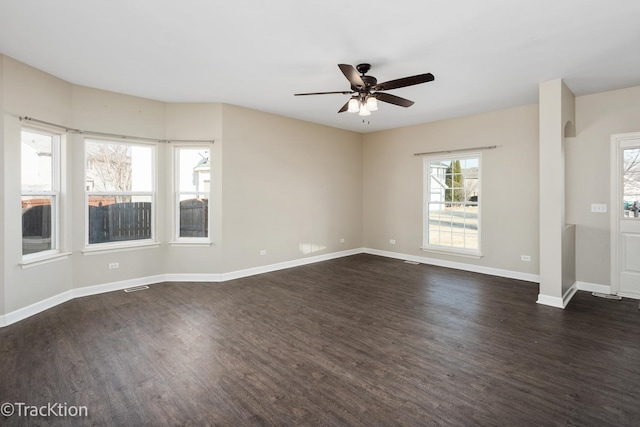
(56, 409)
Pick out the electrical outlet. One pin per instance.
(342, 240)
(263, 251)
(113, 265)
(525, 257)
(392, 241)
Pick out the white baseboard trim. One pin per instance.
(457, 265)
(550, 301)
(558, 302)
(63, 297)
(40, 306)
(117, 286)
(238, 274)
(569, 294)
(594, 287)
(188, 277)
(287, 264)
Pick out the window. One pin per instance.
(120, 192)
(452, 204)
(40, 179)
(631, 182)
(192, 189)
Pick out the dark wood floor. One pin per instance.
(361, 340)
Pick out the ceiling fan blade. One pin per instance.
(344, 108)
(405, 81)
(342, 92)
(392, 99)
(352, 75)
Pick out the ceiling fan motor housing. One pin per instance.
(369, 81)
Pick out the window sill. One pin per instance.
(475, 255)
(45, 259)
(106, 248)
(190, 244)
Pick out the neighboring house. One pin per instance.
(202, 175)
(438, 185)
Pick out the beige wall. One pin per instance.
(290, 187)
(197, 122)
(109, 112)
(393, 185)
(28, 92)
(598, 116)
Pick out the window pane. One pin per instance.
(194, 216)
(193, 170)
(631, 183)
(37, 224)
(116, 218)
(452, 203)
(119, 167)
(37, 162)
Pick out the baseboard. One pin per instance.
(187, 277)
(558, 302)
(287, 264)
(457, 265)
(238, 274)
(117, 286)
(550, 301)
(40, 306)
(594, 287)
(43, 305)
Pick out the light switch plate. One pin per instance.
(599, 207)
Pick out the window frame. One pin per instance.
(153, 194)
(176, 193)
(449, 249)
(54, 193)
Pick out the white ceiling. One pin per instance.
(485, 55)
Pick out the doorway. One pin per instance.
(625, 215)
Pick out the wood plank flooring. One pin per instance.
(361, 341)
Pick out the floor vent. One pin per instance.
(607, 296)
(137, 288)
(411, 262)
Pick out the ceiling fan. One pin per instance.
(366, 91)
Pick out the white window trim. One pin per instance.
(51, 256)
(188, 241)
(108, 247)
(442, 249)
(55, 252)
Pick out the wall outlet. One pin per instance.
(599, 207)
(263, 251)
(113, 265)
(342, 240)
(525, 257)
(392, 241)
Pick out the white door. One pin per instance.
(625, 215)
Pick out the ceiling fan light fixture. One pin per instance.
(372, 103)
(354, 106)
(364, 110)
